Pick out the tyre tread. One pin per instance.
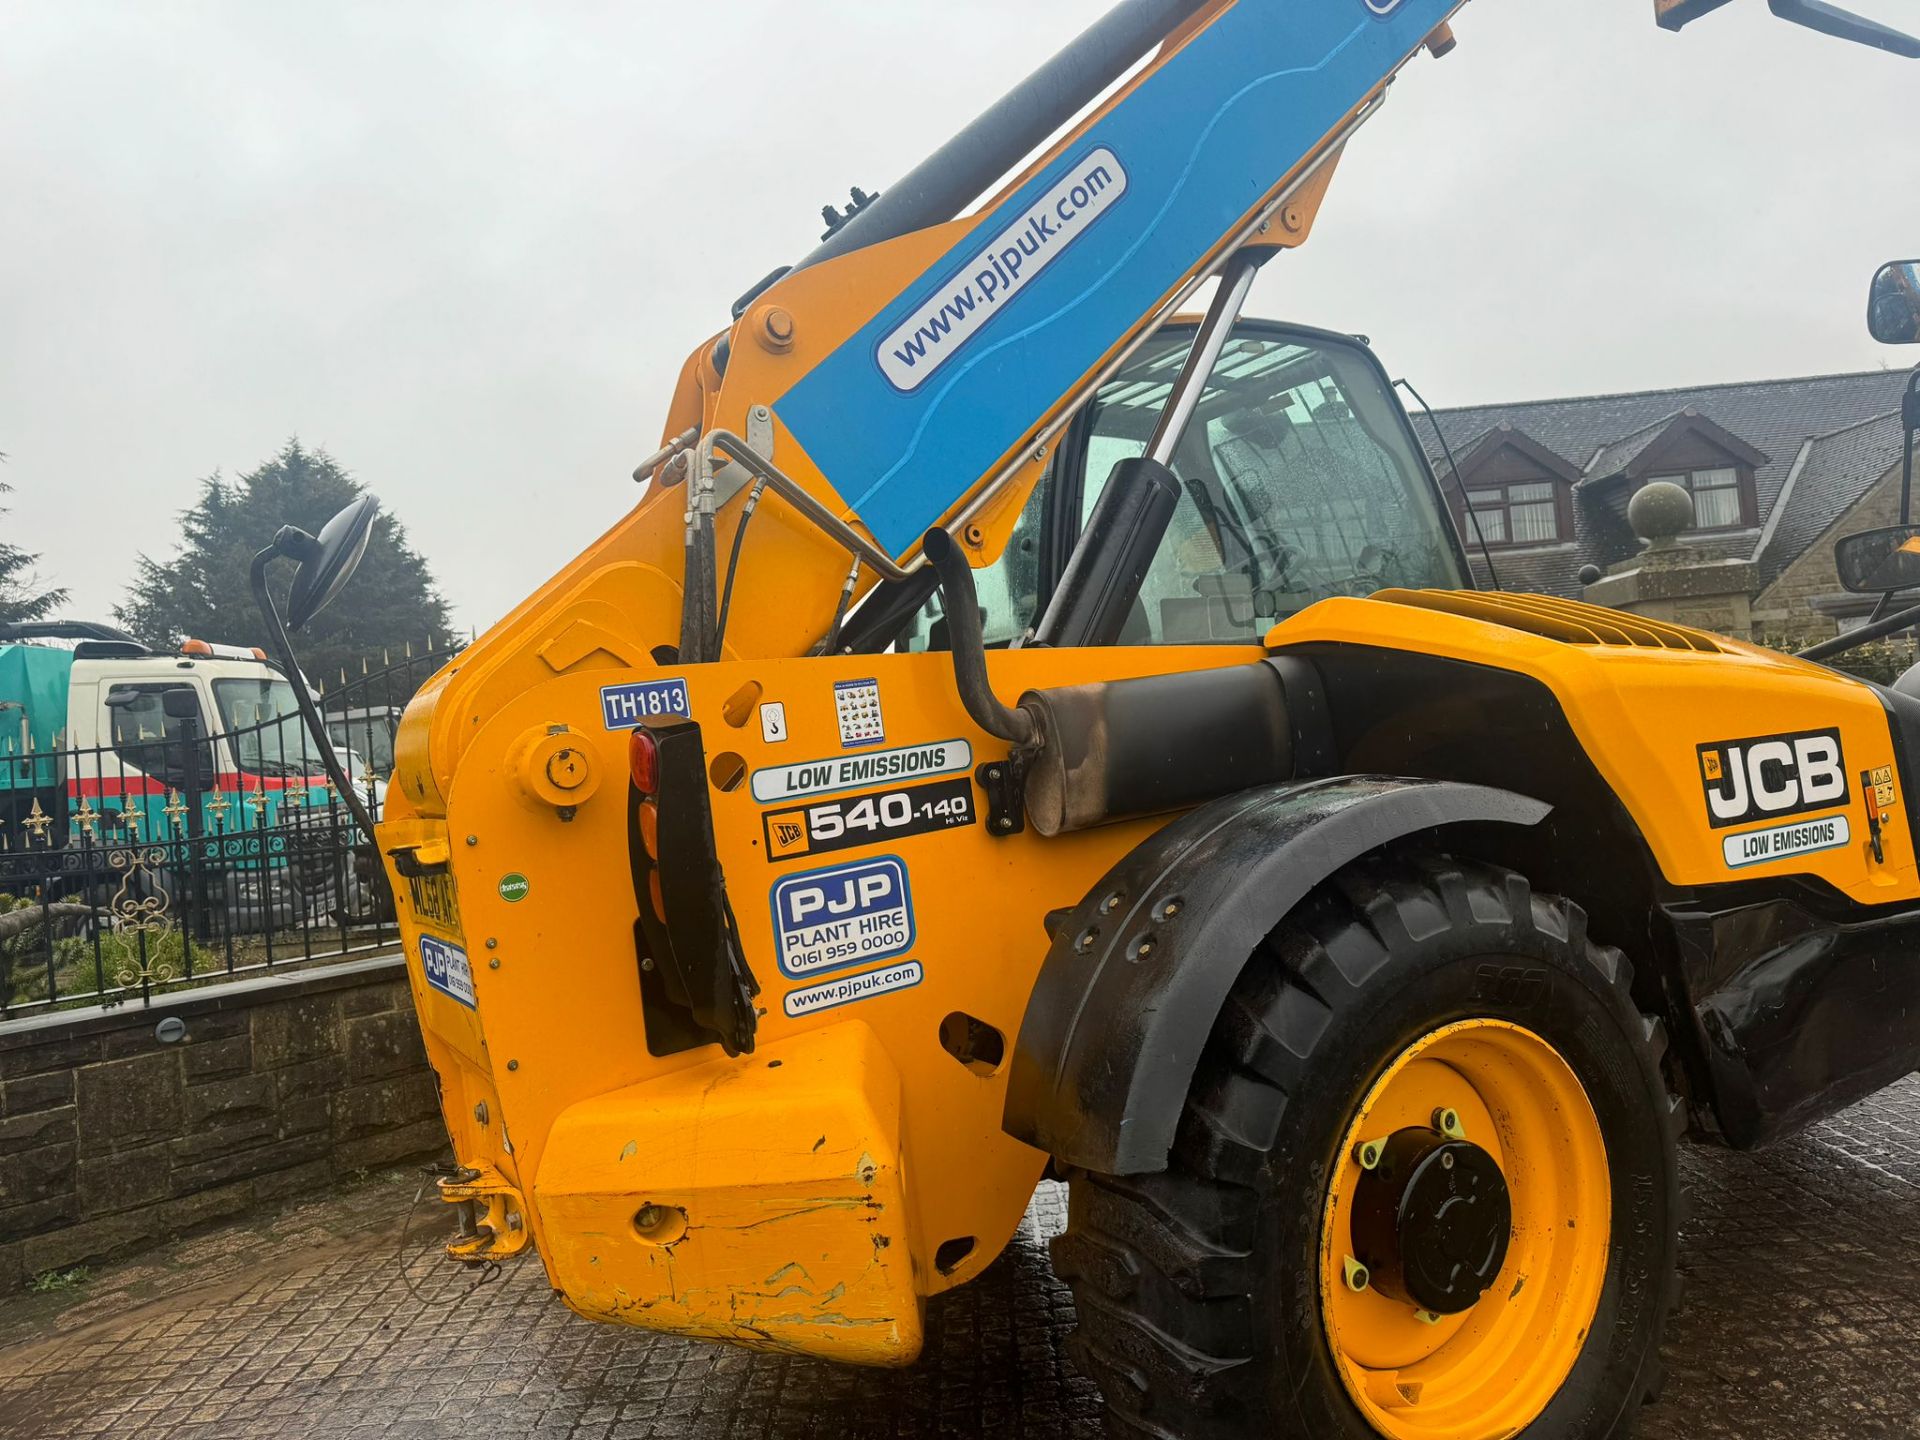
(1162, 1268)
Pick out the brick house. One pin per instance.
(1779, 469)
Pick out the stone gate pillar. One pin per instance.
(1671, 581)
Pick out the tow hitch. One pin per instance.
(492, 1215)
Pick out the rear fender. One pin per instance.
(1138, 971)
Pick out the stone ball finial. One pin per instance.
(1660, 512)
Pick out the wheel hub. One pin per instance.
(1432, 1221)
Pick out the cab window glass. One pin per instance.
(1009, 588)
(150, 740)
(1298, 483)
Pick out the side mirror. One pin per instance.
(327, 561)
(1880, 562)
(1893, 309)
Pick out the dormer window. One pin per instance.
(1522, 514)
(1518, 491)
(1716, 496)
(1708, 461)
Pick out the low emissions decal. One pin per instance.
(970, 297)
(1770, 777)
(855, 772)
(1785, 842)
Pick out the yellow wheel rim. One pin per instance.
(1489, 1372)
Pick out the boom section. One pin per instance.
(934, 378)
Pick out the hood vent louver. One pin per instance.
(1569, 621)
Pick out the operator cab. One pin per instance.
(1300, 477)
(1886, 562)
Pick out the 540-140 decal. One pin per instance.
(883, 816)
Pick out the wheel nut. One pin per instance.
(1357, 1276)
(1367, 1154)
(1426, 1317)
(1447, 1122)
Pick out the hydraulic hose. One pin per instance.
(969, 643)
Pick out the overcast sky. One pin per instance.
(465, 247)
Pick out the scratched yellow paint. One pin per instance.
(772, 1208)
(558, 1020)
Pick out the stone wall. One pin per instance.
(111, 1139)
(1783, 612)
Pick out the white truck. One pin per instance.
(106, 743)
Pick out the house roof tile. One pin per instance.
(1776, 417)
(1841, 466)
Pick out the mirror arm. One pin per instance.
(1909, 422)
(1877, 630)
(295, 543)
(283, 648)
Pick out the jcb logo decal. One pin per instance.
(787, 834)
(1773, 775)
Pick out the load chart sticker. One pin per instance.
(849, 988)
(446, 970)
(842, 916)
(856, 772)
(857, 703)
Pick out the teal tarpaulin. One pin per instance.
(33, 713)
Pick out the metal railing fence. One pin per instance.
(197, 842)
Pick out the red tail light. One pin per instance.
(643, 755)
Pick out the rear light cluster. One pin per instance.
(643, 758)
(643, 755)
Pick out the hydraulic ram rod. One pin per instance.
(960, 171)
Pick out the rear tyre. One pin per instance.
(1443, 1007)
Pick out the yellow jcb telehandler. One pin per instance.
(1023, 731)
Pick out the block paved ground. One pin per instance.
(1802, 1323)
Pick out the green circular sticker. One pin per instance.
(514, 888)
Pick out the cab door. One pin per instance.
(158, 753)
